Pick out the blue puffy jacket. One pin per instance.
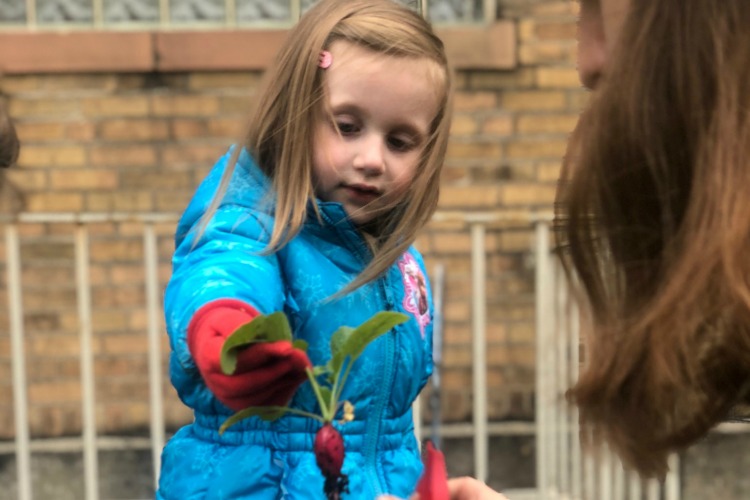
(269, 460)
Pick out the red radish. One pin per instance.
(329, 455)
(329, 450)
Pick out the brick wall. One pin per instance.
(141, 141)
(509, 136)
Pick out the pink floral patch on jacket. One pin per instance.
(416, 299)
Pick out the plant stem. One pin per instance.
(304, 413)
(339, 385)
(327, 417)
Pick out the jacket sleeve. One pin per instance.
(227, 262)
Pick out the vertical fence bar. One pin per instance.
(672, 484)
(635, 487)
(605, 474)
(479, 320)
(619, 481)
(550, 349)
(164, 13)
(489, 14)
(542, 285)
(18, 362)
(437, 355)
(653, 490)
(98, 13)
(155, 376)
(469, 14)
(416, 416)
(31, 13)
(562, 339)
(295, 8)
(83, 286)
(575, 341)
(230, 13)
(589, 474)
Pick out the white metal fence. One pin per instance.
(562, 470)
(83, 288)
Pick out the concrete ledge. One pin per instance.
(469, 47)
(76, 52)
(216, 50)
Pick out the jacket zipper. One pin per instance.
(377, 483)
(376, 418)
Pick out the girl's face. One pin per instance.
(366, 152)
(599, 27)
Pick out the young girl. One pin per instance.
(314, 217)
(655, 221)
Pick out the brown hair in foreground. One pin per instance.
(654, 227)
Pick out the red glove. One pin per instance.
(267, 373)
(433, 485)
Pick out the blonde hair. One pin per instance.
(655, 226)
(280, 135)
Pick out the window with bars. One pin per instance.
(184, 14)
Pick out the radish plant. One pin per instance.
(327, 382)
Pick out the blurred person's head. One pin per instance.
(654, 214)
(9, 144)
(599, 26)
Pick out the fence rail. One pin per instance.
(562, 470)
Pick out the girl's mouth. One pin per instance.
(362, 193)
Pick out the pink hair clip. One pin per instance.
(325, 59)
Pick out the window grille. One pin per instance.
(202, 14)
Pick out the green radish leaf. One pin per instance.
(269, 413)
(300, 344)
(338, 340)
(351, 343)
(263, 328)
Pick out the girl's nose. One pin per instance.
(369, 156)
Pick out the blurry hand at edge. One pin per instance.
(468, 488)
(463, 488)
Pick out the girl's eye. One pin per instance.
(400, 144)
(347, 128)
